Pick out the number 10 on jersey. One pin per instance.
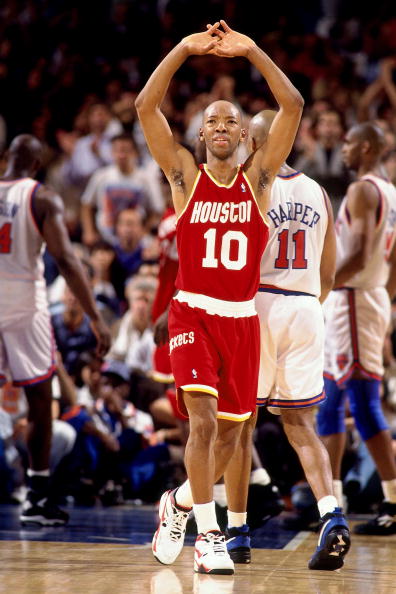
(212, 249)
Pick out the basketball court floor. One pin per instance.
(108, 551)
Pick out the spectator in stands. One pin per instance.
(116, 187)
(133, 245)
(321, 156)
(93, 150)
(72, 331)
(134, 343)
(105, 272)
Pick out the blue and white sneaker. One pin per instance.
(333, 544)
(238, 543)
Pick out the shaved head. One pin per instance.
(25, 152)
(222, 106)
(371, 133)
(260, 125)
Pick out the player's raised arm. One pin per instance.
(274, 152)
(168, 154)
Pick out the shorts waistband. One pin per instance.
(212, 306)
(279, 291)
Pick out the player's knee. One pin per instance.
(299, 426)
(365, 406)
(331, 413)
(203, 429)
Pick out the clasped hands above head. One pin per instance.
(220, 40)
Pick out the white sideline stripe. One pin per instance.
(295, 542)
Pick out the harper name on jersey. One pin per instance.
(221, 235)
(294, 211)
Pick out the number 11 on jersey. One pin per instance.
(299, 260)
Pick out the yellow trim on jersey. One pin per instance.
(245, 177)
(200, 388)
(191, 194)
(214, 180)
(162, 378)
(233, 417)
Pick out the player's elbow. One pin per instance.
(297, 102)
(327, 275)
(327, 282)
(142, 103)
(139, 101)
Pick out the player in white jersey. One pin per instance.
(358, 314)
(297, 272)
(31, 215)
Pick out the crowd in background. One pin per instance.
(115, 436)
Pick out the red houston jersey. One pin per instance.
(168, 265)
(221, 236)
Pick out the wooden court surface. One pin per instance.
(29, 567)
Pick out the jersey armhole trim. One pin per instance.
(380, 208)
(33, 206)
(178, 217)
(245, 177)
(327, 202)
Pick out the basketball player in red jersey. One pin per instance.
(221, 235)
(168, 267)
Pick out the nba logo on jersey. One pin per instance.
(342, 361)
(243, 187)
(194, 373)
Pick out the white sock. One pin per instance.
(205, 517)
(337, 488)
(31, 472)
(259, 477)
(219, 494)
(389, 489)
(183, 495)
(327, 505)
(235, 519)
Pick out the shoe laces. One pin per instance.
(216, 539)
(178, 521)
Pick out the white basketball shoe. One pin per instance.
(168, 540)
(211, 555)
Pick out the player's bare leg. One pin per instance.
(209, 448)
(38, 508)
(300, 431)
(335, 446)
(334, 541)
(237, 472)
(39, 432)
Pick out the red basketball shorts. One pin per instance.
(162, 371)
(217, 355)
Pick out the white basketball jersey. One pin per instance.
(21, 244)
(376, 271)
(297, 219)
